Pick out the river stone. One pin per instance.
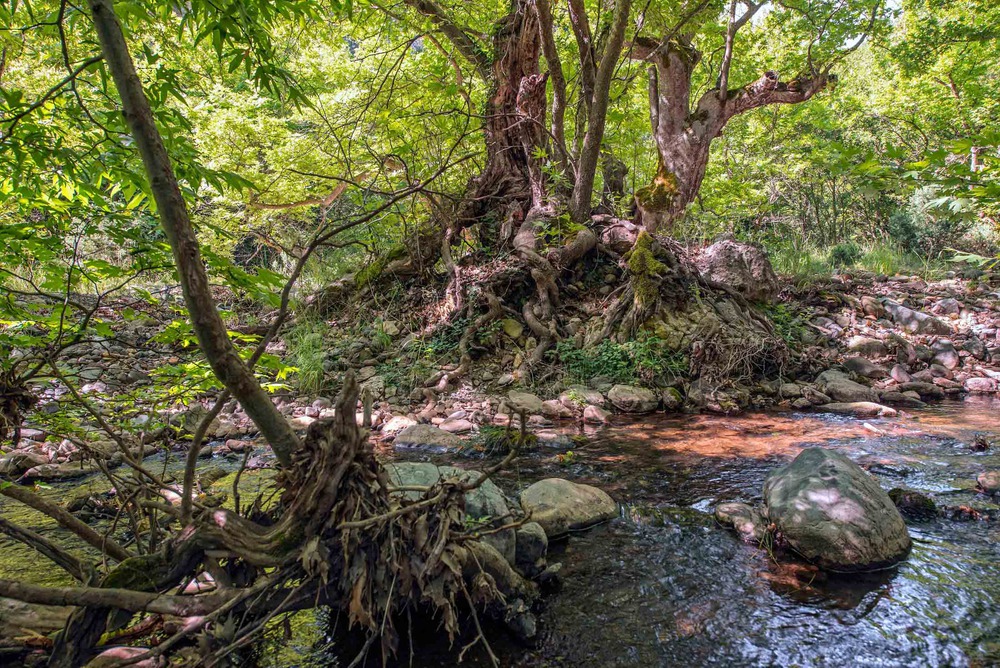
(913, 505)
(396, 424)
(745, 520)
(988, 482)
(790, 391)
(864, 367)
(554, 408)
(869, 347)
(915, 322)
(900, 399)
(834, 514)
(425, 435)
(859, 409)
(525, 401)
(456, 426)
(532, 545)
(840, 388)
(945, 354)
(20, 461)
(596, 415)
(980, 385)
(925, 390)
(742, 267)
(975, 347)
(900, 374)
(630, 399)
(482, 504)
(561, 506)
(576, 396)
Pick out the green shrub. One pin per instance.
(845, 254)
(645, 358)
(787, 324)
(307, 351)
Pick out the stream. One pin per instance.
(663, 585)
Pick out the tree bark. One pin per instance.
(205, 319)
(505, 184)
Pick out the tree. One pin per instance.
(683, 129)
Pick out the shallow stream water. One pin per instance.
(663, 585)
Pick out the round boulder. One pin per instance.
(561, 506)
(740, 266)
(629, 399)
(834, 514)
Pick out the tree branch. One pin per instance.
(205, 319)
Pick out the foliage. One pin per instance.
(501, 440)
(788, 323)
(643, 359)
(307, 347)
(845, 254)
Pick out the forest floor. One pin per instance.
(862, 344)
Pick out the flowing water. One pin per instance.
(663, 585)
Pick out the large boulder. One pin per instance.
(915, 322)
(839, 387)
(427, 436)
(524, 401)
(485, 505)
(742, 267)
(834, 514)
(864, 367)
(629, 399)
(561, 506)
(859, 409)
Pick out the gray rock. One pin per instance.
(425, 435)
(743, 519)
(948, 306)
(596, 415)
(859, 409)
(554, 408)
(900, 399)
(456, 426)
(915, 322)
(834, 514)
(863, 367)
(869, 347)
(525, 401)
(900, 374)
(672, 399)
(740, 266)
(532, 546)
(561, 506)
(630, 399)
(840, 388)
(577, 396)
(927, 391)
(790, 391)
(980, 385)
(976, 348)
(945, 354)
(988, 482)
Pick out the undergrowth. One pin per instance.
(645, 358)
(307, 352)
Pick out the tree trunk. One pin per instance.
(683, 137)
(205, 319)
(505, 184)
